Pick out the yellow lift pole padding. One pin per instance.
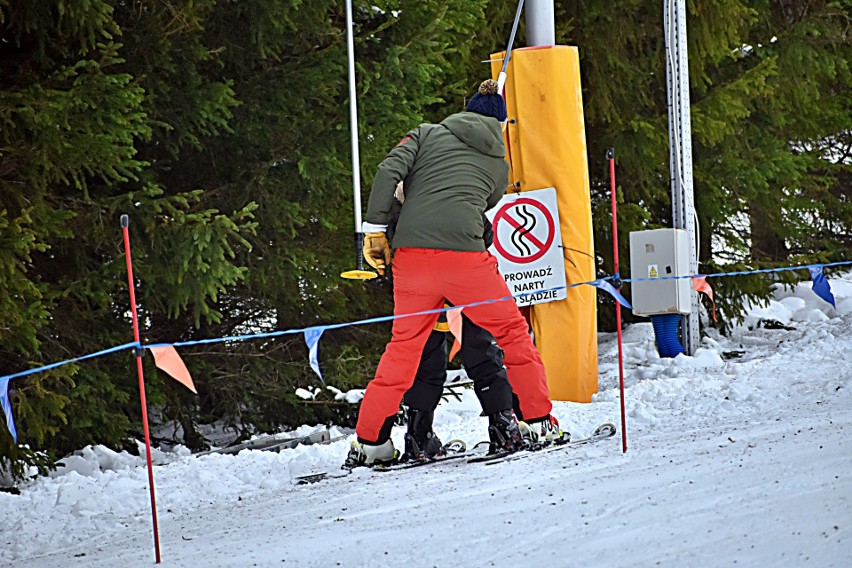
(546, 144)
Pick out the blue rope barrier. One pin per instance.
(739, 273)
(115, 349)
(381, 319)
(359, 322)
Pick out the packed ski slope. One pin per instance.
(739, 456)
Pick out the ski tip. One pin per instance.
(455, 446)
(606, 429)
(311, 478)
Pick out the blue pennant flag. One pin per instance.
(312, 337)
(606, 286)
(821, 287)
(6, 404)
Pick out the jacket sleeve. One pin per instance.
(487, 232)
(393, 219)
(393, 169)
(500, 188)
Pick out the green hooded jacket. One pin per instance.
(452, 172)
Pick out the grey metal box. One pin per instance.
(654, 256)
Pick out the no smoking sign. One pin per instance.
(527, 244)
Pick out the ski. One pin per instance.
(602, 432)
(306, 441)
(455, 450)
(276, 443)
(319, 476)
(449, 454)
(452, 450)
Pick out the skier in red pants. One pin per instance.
(453, 172)
(482, 359)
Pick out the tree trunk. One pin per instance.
(767, 244)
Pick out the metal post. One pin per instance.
(541, 29)
(359, 273)
(680, 148)
(501, 77)
(353, 118)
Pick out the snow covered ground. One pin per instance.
(741, 455)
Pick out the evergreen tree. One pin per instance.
(222, 129)
(770, 89)
(73, 119)
(289, 152)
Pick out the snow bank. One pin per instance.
(765, 384)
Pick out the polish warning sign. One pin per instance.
(528, 245)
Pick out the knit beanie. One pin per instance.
(487, 102)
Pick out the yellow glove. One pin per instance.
(376, 251)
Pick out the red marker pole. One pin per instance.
(125, 223)
(610, 155)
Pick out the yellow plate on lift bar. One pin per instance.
(358, 275)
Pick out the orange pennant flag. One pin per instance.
(454, 349)
(699, 284)
(167, 359)
(454, 321)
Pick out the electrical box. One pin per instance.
(655, 257)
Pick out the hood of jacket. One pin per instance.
(483, 133)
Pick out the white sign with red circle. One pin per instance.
(528, 245)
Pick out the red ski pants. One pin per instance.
(423, 279)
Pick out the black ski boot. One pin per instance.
(421, 443)
(503, 432)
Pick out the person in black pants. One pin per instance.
(482, 359)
